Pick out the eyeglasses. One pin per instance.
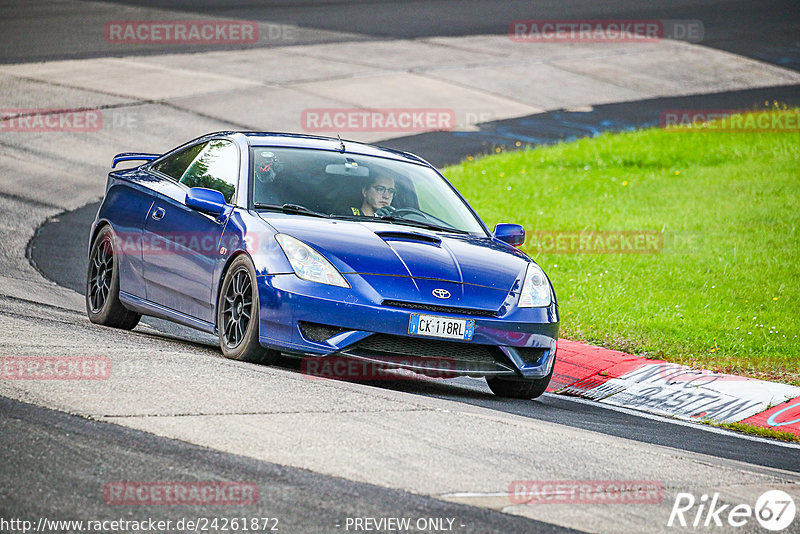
(381, 190)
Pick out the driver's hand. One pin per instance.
(384, 211)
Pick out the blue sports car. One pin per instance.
(321, 248)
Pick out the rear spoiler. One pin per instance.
(133, 156)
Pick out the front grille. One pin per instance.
(440, 309)
(429, 348)
(432, 357)
(318, 332)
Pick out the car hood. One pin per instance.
(383, 249)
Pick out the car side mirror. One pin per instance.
(206, 200)
(513, 234)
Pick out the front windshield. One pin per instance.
(355, 186)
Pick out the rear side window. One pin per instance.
(215, 167)
(174, 166)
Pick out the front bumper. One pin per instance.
(309, 319)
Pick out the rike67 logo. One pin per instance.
(774, 510)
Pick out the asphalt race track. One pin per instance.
(301, 501)
(766, 31)
(324, 452)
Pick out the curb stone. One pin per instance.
(673, 390)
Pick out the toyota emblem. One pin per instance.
(441, 293)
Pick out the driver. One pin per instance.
(265, 170)
(377, 197)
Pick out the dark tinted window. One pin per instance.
(174, 166)
(216, 167)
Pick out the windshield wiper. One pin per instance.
(420, 224)
(291, 208)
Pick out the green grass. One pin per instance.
(724, 291)
(756, 431)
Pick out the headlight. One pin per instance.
(535, 289)
(309, 264)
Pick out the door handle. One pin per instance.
(158, 214)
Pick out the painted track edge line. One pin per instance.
(679, 422)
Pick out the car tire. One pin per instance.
(237, 315)
(102, 285)
(518, 388)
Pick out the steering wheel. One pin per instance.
(408, 211)
(427, 216)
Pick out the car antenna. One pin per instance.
(341, 144)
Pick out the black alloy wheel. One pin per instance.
(102, 285)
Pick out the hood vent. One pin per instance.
(408, 236)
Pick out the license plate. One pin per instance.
(431, 326)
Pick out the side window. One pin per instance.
(216, 167)
(175, 166)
